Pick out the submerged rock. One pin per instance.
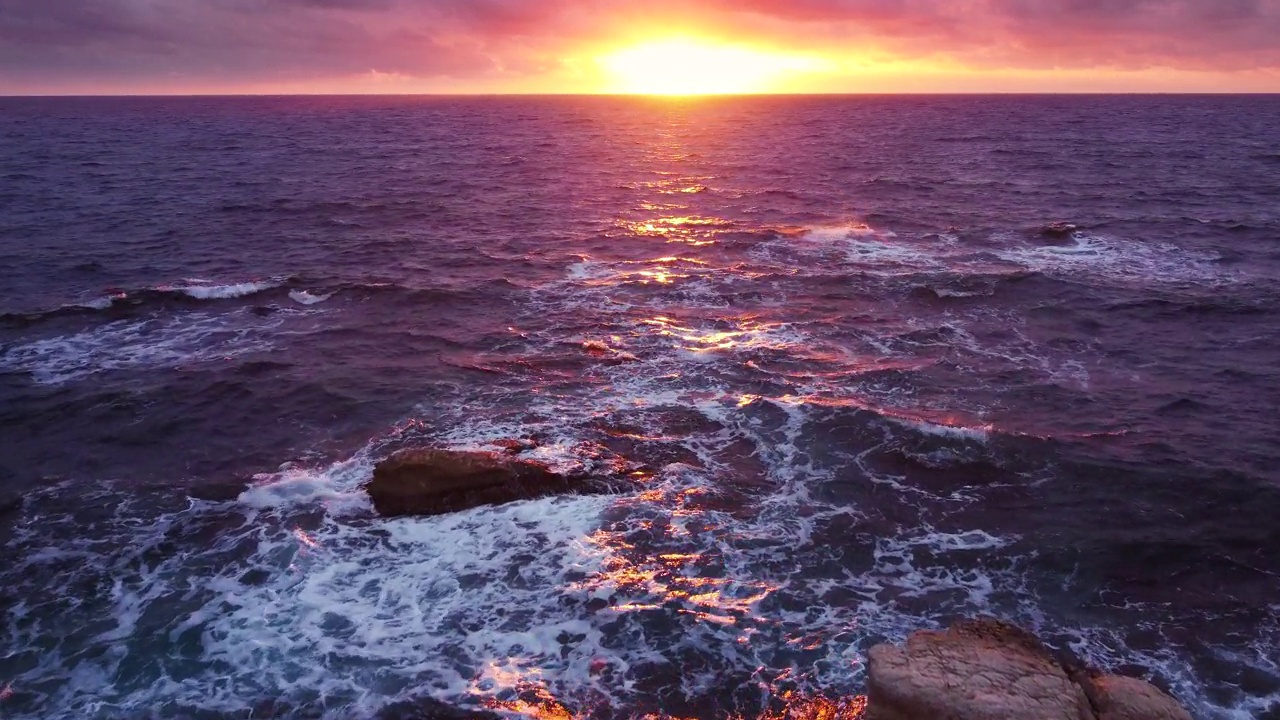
(433, 482)
(989, 670)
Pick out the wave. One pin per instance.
(139, 344)
(301, 592)
(224, 292)
(1203, 306)
(977, 433)
(977, 284)
(1060, 250)
(1113, 259)
(118, 304)
(303, 297)
(118, 300)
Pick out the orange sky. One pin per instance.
(692, 46)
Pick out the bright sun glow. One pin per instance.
(686, 67)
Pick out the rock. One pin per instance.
(1058, 229)
(977, 670)
(515, 447)
(1125, 698)
(433, 482)
(989, 670)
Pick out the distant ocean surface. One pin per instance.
(869, 365)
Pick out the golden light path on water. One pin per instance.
(686, 583)
(538, 704)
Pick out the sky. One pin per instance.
(652, 46)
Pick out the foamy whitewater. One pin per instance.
(849, 369)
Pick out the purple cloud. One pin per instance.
(44, 43)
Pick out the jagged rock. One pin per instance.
(1125, 698)
(977, 670)
(433, 482)
(989, 670)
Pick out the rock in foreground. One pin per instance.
(1126, 698)
(434, 482)
(989, 670)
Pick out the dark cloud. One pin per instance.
(1191, 34)
(47, 42)
(221, 39)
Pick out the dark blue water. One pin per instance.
(853, 384)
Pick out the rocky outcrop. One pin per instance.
(989, 670)
(1126, 698)
(433, 482)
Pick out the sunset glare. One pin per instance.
(687, 67)
(662, 47)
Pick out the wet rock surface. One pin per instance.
(434, 482)
(989, 670)
(1126, 698)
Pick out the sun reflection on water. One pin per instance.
(534, 701)
(660, 271)
(684, 582)
(692, 230)
(643, 576)
(818, 708)
(537, 703)
(749, 332)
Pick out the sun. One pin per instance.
(690, 67)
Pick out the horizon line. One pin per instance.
(656, 96)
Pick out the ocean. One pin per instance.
(857, 366)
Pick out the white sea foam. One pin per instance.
(588, 269)
(478, 604)
(1118, 260)
(918, 574)
(101, 303)
(835, 233)
(1092, 256)
(1107, 647)
(486, 584)
(302, 297)
(302, 592)
(135, 344)
(337, 486)
(978, 433)
(950, 293)
(223, 292)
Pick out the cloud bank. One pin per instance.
(171, 45)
